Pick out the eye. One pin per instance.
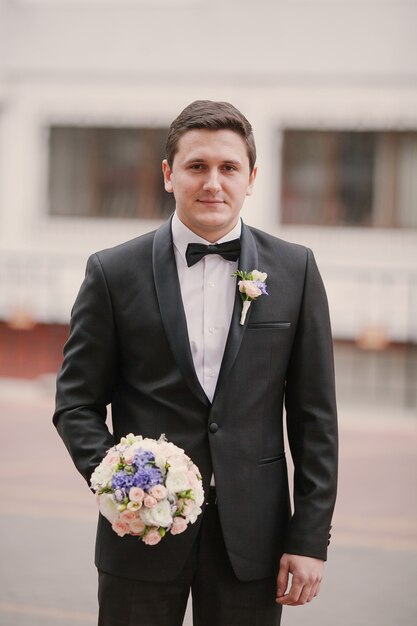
(229, 168)
(196, 167)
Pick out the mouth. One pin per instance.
(211, 201)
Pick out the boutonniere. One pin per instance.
(251, 286)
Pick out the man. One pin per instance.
(156, 332)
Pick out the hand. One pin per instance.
(307, 574)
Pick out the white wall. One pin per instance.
(295, 39)
(286, 63)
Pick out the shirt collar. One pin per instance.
(182, 235)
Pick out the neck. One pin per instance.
(212, 236)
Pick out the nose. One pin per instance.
(212, 182)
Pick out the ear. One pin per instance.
(252, 177)
(167, 176)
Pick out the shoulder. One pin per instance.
(127, 251)
(287, 252)
(263, 238)
(119, 264)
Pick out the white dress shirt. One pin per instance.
(208, 294)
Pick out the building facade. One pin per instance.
(87, 91)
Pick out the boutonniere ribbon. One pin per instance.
(251, 286)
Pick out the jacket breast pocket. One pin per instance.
(271, 459)
(269, 325)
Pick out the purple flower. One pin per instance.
(119, 495)
(122, 480)
(147, 477)
(143, 458)
(261, 286)
(141, 473)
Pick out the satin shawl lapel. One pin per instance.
(168, 292)
(248, 261)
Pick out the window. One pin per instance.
(350, 178)
(107, 173)
(376, 377)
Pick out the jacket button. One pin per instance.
(213, 427)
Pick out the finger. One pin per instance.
(282, 580)
(291, 598)
(316, 589)
(305, 594)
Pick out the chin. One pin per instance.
(212, 225)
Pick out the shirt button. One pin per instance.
(213, 427)
(211, 284)
(210, 373)
(212, 330)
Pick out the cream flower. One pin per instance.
(108, 507)
(261, 276)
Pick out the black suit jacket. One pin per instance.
(128, 347)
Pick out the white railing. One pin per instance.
(44, 286)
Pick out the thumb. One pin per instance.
(282, 581)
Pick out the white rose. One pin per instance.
(193, 516)
(178, 462)
(158, 515)
(150, 444)
(198, 493)
(177, 480)
(101, 476)
(169, 449)
(108, 507)
(160, 462)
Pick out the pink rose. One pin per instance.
(249, 288)
(120, 527)
(129, 456)
(136, 494)
(178, 525)
(152, 537)
(112, 458)
(158, 492)
(137, 526)
(149, 501)
(127, 516)
(188, 508)
(192, 478)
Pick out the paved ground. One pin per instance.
(48, 522)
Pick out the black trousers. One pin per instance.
(219, 598)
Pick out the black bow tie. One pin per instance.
(229, 250)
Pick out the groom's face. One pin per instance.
(209, 177)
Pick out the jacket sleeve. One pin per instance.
(312, 422)
(87, 376)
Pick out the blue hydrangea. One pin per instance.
(122, 480)
(143, 458)
(147, 477)
(144, 475)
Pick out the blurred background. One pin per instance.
(88, 89)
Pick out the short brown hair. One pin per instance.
(210, 115)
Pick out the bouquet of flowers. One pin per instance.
(147, 488)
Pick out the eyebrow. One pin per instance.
(225, 162)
